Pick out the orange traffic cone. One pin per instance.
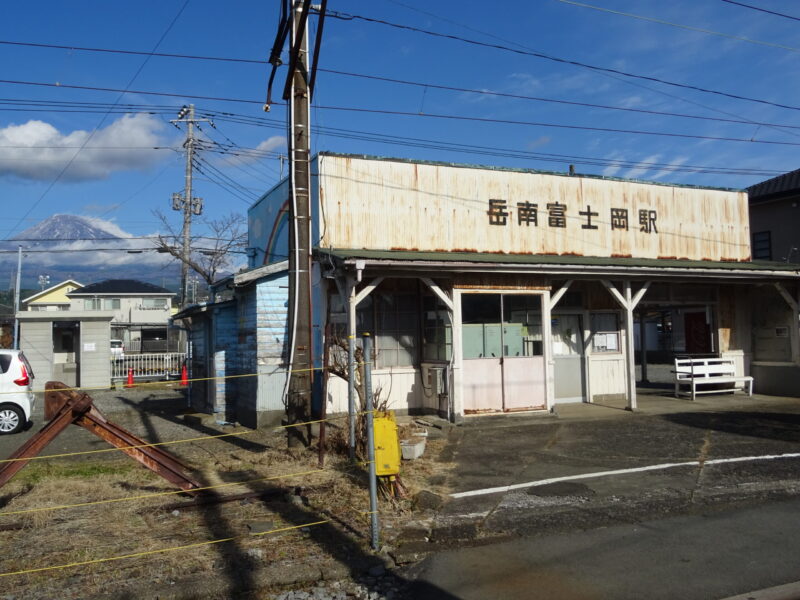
(184, 376)
(130, 378)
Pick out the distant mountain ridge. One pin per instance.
(64, 227)
(87, 249)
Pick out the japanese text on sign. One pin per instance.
(557, 215)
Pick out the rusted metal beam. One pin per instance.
(59, 419)
(64, 406)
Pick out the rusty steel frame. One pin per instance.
(62, 406)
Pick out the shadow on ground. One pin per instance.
(767, 425)
(337, 538)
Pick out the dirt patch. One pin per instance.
(57, 513)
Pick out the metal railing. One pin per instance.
(165, 365)
(145, 346)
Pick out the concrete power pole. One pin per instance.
(186, 202)
(16, 297)
(297, 96)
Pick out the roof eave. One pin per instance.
(571, 269)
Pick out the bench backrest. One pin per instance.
(704, 367)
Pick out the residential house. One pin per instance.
(52, 298)
(141, 312)
(775, 218)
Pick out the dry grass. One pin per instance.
(65, 536)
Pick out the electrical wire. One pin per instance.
(680, 26)
(557, 59)
(491, 150)
(557, 125)
(367, 76)
(102, 120)
(619, 79)
(553, 100)
(764, 10)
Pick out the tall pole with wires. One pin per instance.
(297, 92)
(186, 203)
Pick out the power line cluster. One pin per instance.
(250, 161)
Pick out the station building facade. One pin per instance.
(492, 290)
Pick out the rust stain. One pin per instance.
(667, 258)
(571, 254)
(462, 250)
(621, 256)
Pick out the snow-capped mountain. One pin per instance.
(71, 228)
(84, 248)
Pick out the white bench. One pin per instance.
(696, 372)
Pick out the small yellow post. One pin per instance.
(387, 444)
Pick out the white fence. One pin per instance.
(165, 365)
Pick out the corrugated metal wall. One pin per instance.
(387, 205)
(271, 318)
(225, 362)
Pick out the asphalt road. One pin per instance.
(701, 557)
(615, 524)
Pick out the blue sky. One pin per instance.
(123, 179)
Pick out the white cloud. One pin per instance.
(246, 157)
(673, 163)
(642, 167)
(612, 170)
(542, 140)
(36, 150)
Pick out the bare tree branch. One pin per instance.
(211, 254)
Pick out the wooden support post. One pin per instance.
(628, 302)
(630, 363)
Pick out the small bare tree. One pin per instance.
(210, 254)
(338, 366)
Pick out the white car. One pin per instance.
(16, 397)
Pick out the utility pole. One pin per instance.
(296, 94)
(185, 202)
(16, 297)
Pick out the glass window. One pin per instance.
(92, 304)
(522, 325)
(396, 324)
(437, 333)
(567, 335)
(762, 245)
(605, 332)
(111, 304)
(481, 322)
(391, 315)
(154, 302)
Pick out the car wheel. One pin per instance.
(12, 419)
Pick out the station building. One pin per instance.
(494, 290)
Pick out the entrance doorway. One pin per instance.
(568, 358)
(503, 352)
(66, 341)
